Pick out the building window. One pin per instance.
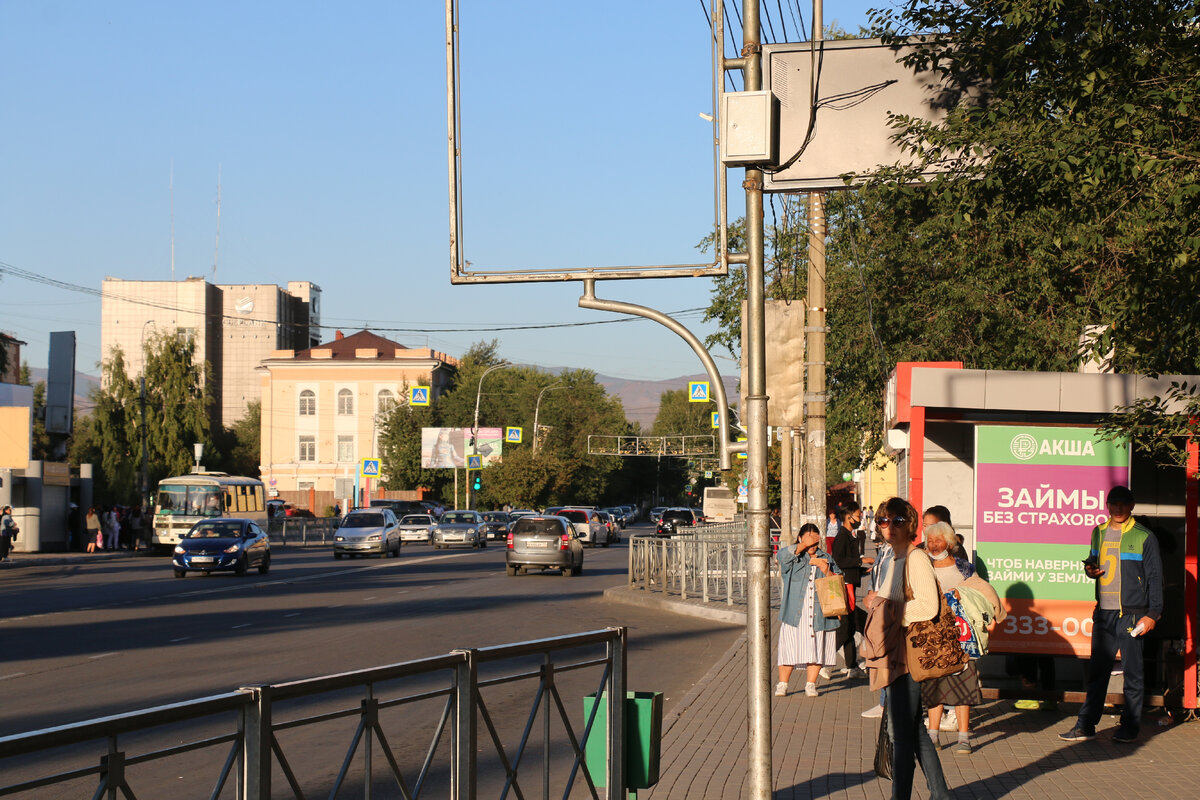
(308, 403)
(345, 403)
(308, 448)
(345, 451)
(304, 486)
(386, 401)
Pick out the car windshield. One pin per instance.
(216, 530)
(458, 517)
(192, 501)
(363, 521)
(495, 517)
(550, 526)
(416, 519)
(575, 516)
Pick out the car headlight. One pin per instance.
(375, 537)
(339, 538)
(179, 550)
(470, 530)
(233, 548)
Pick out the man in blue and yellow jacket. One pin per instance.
(1125, 564)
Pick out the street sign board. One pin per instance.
(474, 462)
(445, 448)
(741, 439)
(698, 391)
(708, 473)
(513, 435)
(369, 468)
(716, 419)
(418, 395)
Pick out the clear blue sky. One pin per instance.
(582, 146)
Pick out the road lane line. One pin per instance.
(365, 599)
(104, 655)
(243, 625)
(293, 614)
(12, 675)
(180, 639)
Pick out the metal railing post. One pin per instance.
(256, 743)
(704, 571)
(615, 785)
(465, 734)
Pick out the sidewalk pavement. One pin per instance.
(19, 560)
(822, 747)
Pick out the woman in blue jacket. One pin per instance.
(806, 636)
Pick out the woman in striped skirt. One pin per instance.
(806, 636)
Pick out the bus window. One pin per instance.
(240, 496)
(172, 500)
(258, 498)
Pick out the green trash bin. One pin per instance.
(643, 738)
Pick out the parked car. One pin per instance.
(367, 531)
(588, 525)
(631, 513)
(544, 542)
(417, 528)
(460, 528)
(618, 514)
(613, 528)
(496, 524)
(673, 520)
(656, 513)
(224, 544)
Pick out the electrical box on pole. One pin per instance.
(748, 124)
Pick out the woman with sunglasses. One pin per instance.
(906, 724)
(806, 636)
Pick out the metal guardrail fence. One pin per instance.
(302, 531)
(707, 563)
(256, 752)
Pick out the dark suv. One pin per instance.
(401, 508)
(674, 520)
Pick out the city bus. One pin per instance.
(184, 500)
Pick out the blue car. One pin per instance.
(231, 545)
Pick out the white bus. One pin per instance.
(719, 504)
(185, 500)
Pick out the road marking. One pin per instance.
(11, 675)
(339, 605)
(104, 655)
(180, 639)
(365, 599)
(243, 625)
(293, 614)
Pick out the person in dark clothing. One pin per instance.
(847, 554)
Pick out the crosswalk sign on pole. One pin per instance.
(513, 435)
(742, 454)
(716, 419)
(474, 462)
(369, 468)
(418, 395)
(697, 391)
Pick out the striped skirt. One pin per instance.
(800, 644)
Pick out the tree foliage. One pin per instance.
(40, 446)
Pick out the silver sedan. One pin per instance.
(417, 528)
(460, 528)
(367, 531)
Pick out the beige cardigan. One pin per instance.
(883, 635)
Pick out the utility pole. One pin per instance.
(785, 485)
(758, 546)
(814, 395)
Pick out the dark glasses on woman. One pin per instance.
(884, 522)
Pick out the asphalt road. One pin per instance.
(88, 640)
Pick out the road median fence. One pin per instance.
(302, 531)
(416, 728)
(707, 563)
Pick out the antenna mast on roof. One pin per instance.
(217, 246)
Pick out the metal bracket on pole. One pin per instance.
(724, 448)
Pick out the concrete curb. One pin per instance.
(20, 560)
(644, 599)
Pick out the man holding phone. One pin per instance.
(1125, 564)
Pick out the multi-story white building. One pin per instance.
(234, 327)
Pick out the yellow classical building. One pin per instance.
(321, 406)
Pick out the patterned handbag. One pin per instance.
(932, 645)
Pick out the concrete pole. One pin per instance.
(797, 483)
(814, 395)
(758, 546)
(785, 485)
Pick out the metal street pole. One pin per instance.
(470, 497)
(145, 481)
(758, 549)
(814, 395)
(537, 407)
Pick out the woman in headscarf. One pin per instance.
(806, 635)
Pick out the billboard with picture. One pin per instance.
(447, 448)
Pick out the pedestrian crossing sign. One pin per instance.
(708, 473)
(513, 435)
(418, 395)
(742, 454)
(369, 468)
(697, 391)
(716, 419)
(474, 462)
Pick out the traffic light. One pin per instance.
(477, 482)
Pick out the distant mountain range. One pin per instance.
(640, 398)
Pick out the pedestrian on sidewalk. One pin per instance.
(806, 636)
(847, 554)
(961, 691)
(887, 659)
(8, 532)
(1125, 564)
(112, 529)
(93, 530)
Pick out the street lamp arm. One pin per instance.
(537, 407)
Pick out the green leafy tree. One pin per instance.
(40, 445)
(240, 443)
(107, 438)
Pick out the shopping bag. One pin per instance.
(831, 594)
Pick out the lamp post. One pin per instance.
(537, 407)
(145, 478)
(475, 425)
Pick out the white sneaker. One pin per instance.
(873, 713)
(826, 674)
(949, 721)
(781, 689)
(810, 689)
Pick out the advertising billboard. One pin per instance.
(448, 448)
(1039, 491)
